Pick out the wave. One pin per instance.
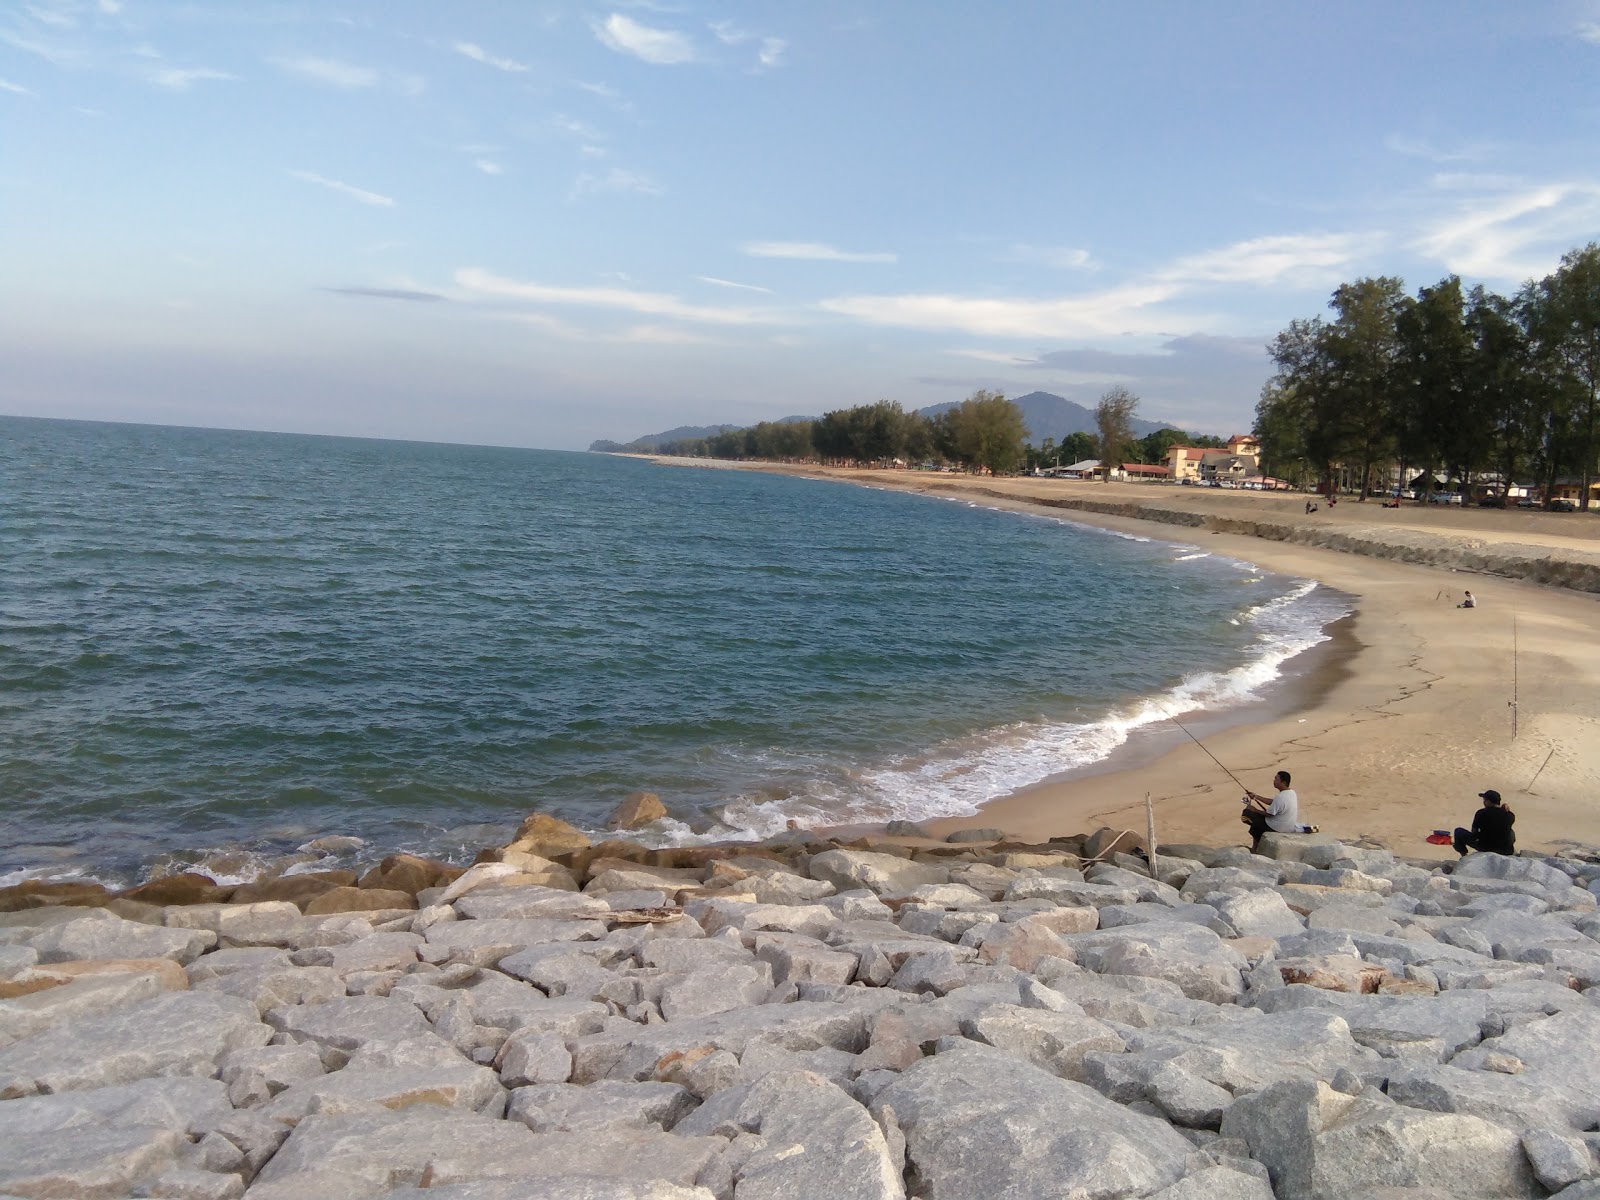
(959, 777)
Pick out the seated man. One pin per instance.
(1280, 814)
(1491, 828)
(1471, 601)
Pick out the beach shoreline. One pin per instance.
(1394, 743)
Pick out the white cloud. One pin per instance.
(1515, 232)
(592, 151)
(345, 189)
(489, 167)
(1066, 257)
(664, 47)
(651, 304)
(1303, 259)
(181, 79)
(1589, 31)
(51, 17)
(771, 52)
(728, 283)
(994, 356)
(55, 53)
(16, 89)
(1415, 147)
(576, 128)
(615, 180)
(1116, 310)
(329, 71)
(479, 54)
(110, 7)
(728, 33)
(813, 251)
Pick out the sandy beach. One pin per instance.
(1393, 730)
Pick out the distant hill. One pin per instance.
(1052, 416)
(683, 433)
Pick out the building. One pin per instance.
(1183, 462)
(1246, 445)
(1223, 466)
(1146, 471)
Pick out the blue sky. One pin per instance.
(541, 223)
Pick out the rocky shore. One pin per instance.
(804, 1018)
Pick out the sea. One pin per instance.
(218, 646)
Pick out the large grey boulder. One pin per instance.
(1056, 1041)
(1558, 1159)
(883, 874)
(191, 1107)
(1524, 870)
(85, 1163)
(555, 1187)
(607, 1105)
(338, 1028)
(273, 985)
(1191, 956)
(817, 1140)
(460, 1086)
(1515, 1102)
(529, 903)
(978, 1123)
(1456, 1016)
(1259, 913)
(1280, 1124)
(100, 934)
(390, 1148)
(1373, 1145)
(1218, 1183)
(179, 1033)
(485, 942)
(87, 996)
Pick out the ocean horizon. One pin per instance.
(218, 645)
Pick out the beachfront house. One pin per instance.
(1219, 466)
(1245, 445)
(1088, 468)
(1183, 463)
(1146, 472)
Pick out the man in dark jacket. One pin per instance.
(1491, 828)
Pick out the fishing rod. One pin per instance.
(1211, 756)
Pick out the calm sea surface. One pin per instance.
(215, 641)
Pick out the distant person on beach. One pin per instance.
(1491, 828)
(1470, 602)
(1279, 813)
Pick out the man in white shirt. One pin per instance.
(1279, 814)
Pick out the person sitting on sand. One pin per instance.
(1279, 814)
(1491, 828)
(1470, 602)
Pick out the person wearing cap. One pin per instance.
(1491, 828)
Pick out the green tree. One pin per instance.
(1153, 447)
(1570, 323)
(1113, 421)
(1434, 414)
(1283, 415)
(987, 430)
(1076, 447)
(1362, 350)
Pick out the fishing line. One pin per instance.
(1210, 755)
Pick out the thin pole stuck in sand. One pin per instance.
(1514, 676)
(1528, 791)
(1150, 836)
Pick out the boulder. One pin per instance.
(178, 1033)
(356, 1090)
(359, 899)
(530, 903)
(600, 1107)
(85, 1163)
(191, 1107)
(1300, 847)
(99, 934)
(1104, 841)
(815, 1140)
(962, 836)
(1513, 868)
(1056, 1041)
(1373, 1145)
(188, 887)
(906, 829)
(70, 999)
(1260, 913)
(339, 1028)
(883, 874)
(979, 1123)
(637, 809)
(547, 836)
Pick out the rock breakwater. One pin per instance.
(1567, 568)
(809, 1018)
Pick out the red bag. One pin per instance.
(1440, 839)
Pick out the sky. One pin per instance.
(536, 224)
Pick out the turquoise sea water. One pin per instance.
(236, 640)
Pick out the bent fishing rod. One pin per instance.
(1212, 756)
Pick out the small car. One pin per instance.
(1563, 505)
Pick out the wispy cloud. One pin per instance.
(664, 47)
(1589, 31)
(771, 52)
(479, 54)
(617, 179)
(329, 71)
(52, 17)
(1064, 257)
(573, 127)
(181, 79)
(1415, 147)
(610, 95)
(650, 304)
(381, 293)
(814, 252)
(994, 356)
(489, 167)
(1513, 232)
(1127, 309)
(55, 53)
(728, 283)
(16, 89)
(344, 189)
(1303, 259)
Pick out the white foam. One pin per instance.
(957, 778)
